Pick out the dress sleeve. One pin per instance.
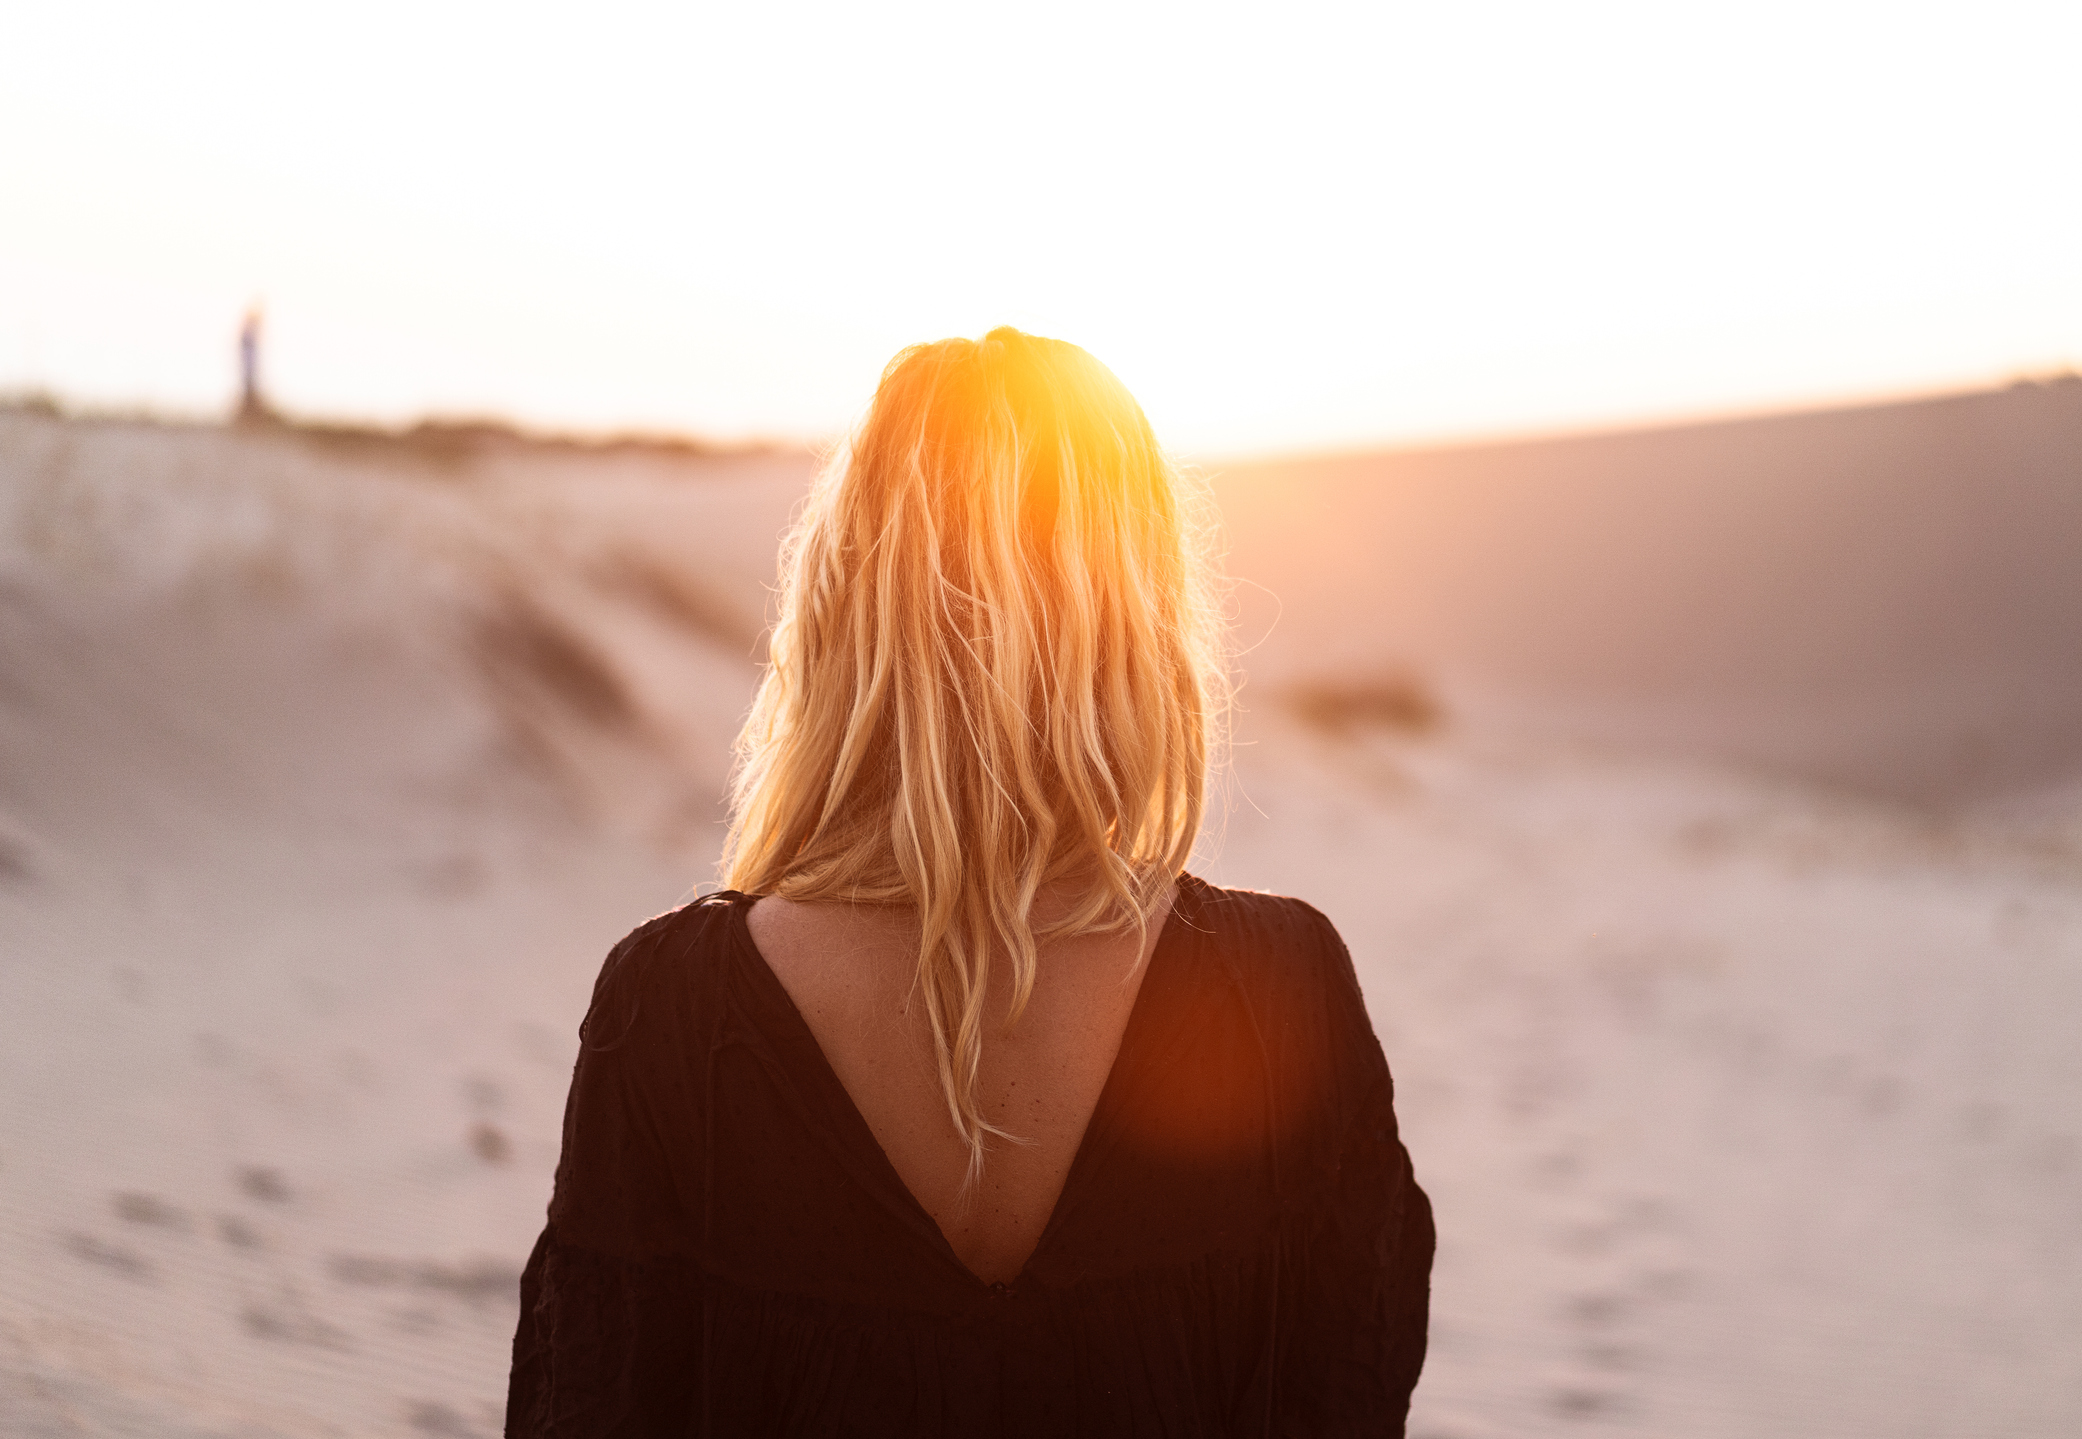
(1358, 1288)
(608, 1298)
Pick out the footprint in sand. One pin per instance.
(264, 1184)
(487, 1096)
(113, 1257)
(238, 1233)
(444, 1421)
(1609, 1323)
(284, 1318)
(490, 1143)
(151, 1210)
(14, 862)
(475, 1281)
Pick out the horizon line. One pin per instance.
(492, 426)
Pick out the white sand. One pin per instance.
(325, 783)
(1745, 1111)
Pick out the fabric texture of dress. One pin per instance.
(1240, 1247)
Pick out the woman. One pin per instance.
(966, 1110)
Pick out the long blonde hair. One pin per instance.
(997, 665)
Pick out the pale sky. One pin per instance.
(1284, 226)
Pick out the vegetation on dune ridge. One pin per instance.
(446, 442)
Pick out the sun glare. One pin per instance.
(1321, 226)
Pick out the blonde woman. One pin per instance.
(966, 1110)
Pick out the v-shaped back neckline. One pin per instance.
(862, 1134)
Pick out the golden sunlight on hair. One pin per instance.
(997, 665)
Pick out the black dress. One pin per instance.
(1239, 1247)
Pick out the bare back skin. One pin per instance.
(850, 970)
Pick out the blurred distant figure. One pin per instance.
(252, 406)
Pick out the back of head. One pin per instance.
(996, 668)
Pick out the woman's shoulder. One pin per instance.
(1252, 906)
(1283, 952)
(660, 964)
(1281, 963)
(1259, 927)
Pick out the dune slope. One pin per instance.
(326, 787)
(1886, 599)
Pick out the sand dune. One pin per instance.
(325, 787)
(1887, 598)
(328, 773)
